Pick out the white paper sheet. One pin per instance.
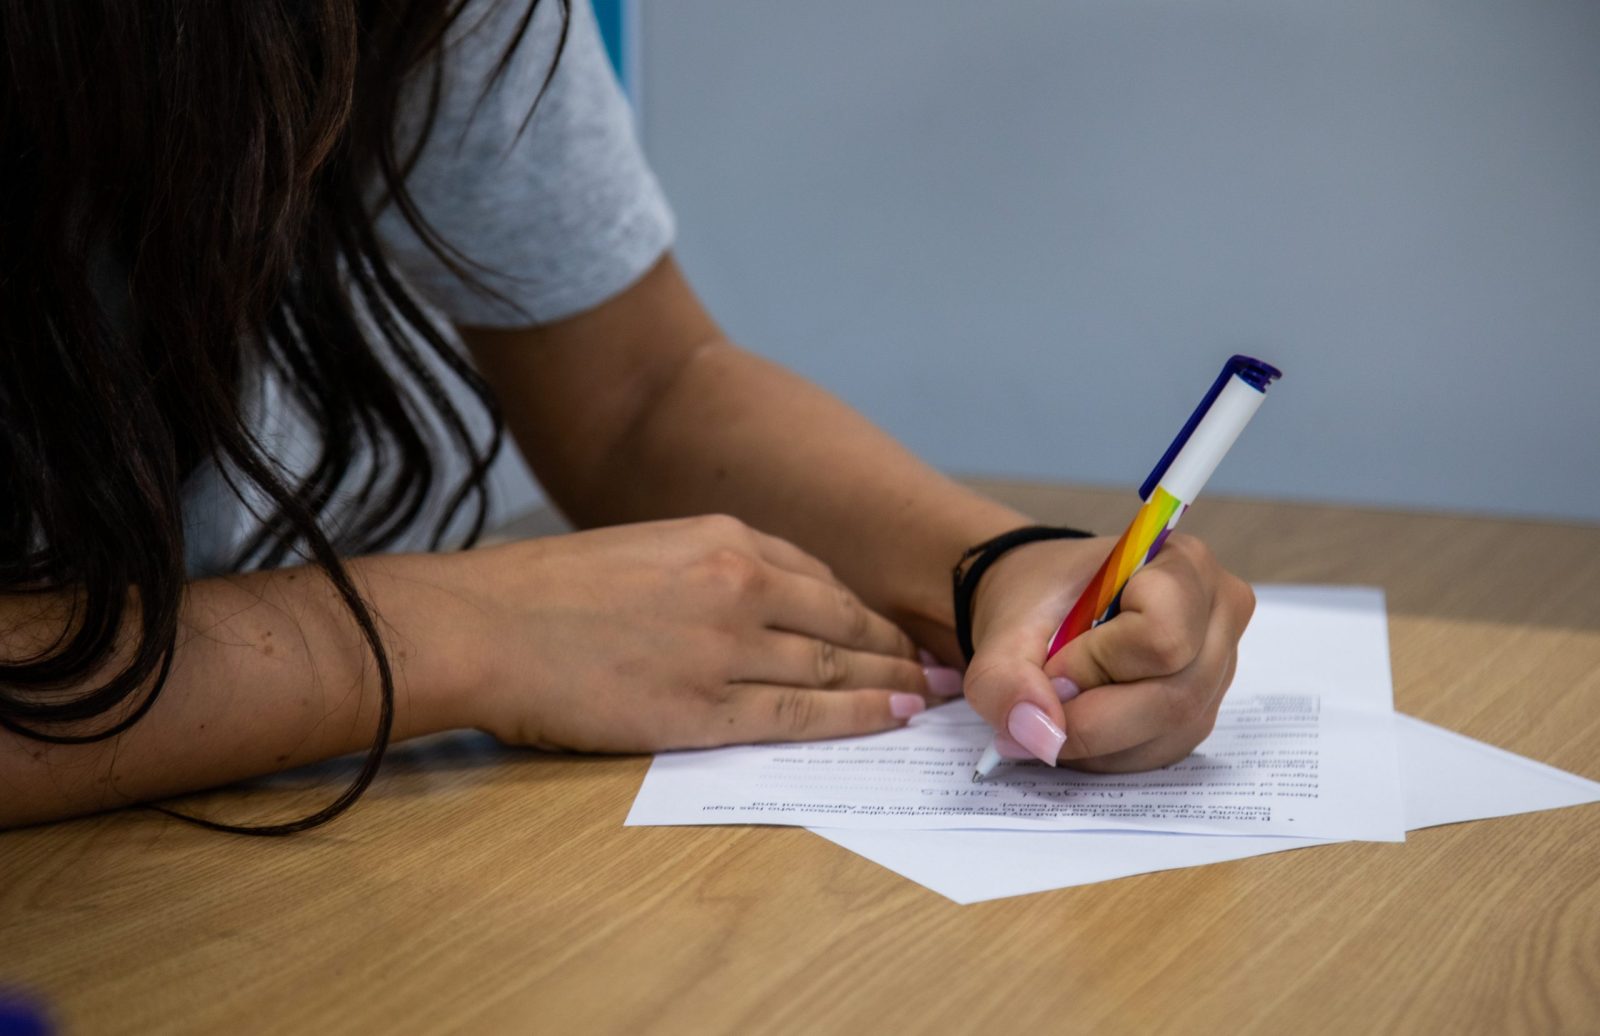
(1448, 779)
(1304, 746)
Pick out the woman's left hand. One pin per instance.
(1135, 693)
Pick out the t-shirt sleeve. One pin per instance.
(557, 213)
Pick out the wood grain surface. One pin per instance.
(478, 889)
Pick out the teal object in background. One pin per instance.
(613, 16)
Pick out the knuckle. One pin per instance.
(1156, 591)
(855, 616)
(990, 683)
(828, 665)
(793, 712)
(1191, 547)
(1168, 648)
(982, 675)
(1090, 660)
(1245, 595)
(1158, 581)
(721, 528)
(719, 694)
(733, 570)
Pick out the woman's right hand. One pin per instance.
(675, 634)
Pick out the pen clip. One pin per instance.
(1253, 372)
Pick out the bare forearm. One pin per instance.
(735, 433)
(640, 409)
(270, 672)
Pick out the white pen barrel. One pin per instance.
(1233, 408)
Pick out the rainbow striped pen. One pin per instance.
(1177, 479)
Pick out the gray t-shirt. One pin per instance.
(562, 206)
(558, 213)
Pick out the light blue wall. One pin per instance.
(1023, 236)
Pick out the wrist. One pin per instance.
(429, 628)
(927, 611)
(946, 534)
(1035, 560)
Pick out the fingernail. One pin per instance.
(904, 706)
(1066, 690)
(1033, 730)
(943, 682)
(1008, 748)
(927, 657)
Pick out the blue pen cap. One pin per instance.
(21, 1017)
(1258, 374)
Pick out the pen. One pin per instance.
(1172, 486)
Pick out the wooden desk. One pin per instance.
(481, 889)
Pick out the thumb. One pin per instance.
(1007, 686)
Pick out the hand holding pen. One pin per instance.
(1036, 677)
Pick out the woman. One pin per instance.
(217, 214)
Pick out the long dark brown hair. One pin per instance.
(185, 200)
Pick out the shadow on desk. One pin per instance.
(435, 770)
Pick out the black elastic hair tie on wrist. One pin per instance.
(964, 577)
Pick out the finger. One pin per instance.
(1163, 623)
(793, 660)
(830, 612)
(1001, 670)
(1163, 751)
(1006, 686)
(763, 712)
(1109, 719)
(780, 553)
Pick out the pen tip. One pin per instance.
(976, 776)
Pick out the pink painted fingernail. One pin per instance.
(943, 682)
(927, 657)
(1066, 690)
(1008, 748)
(1034, 731)
(904, 706)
